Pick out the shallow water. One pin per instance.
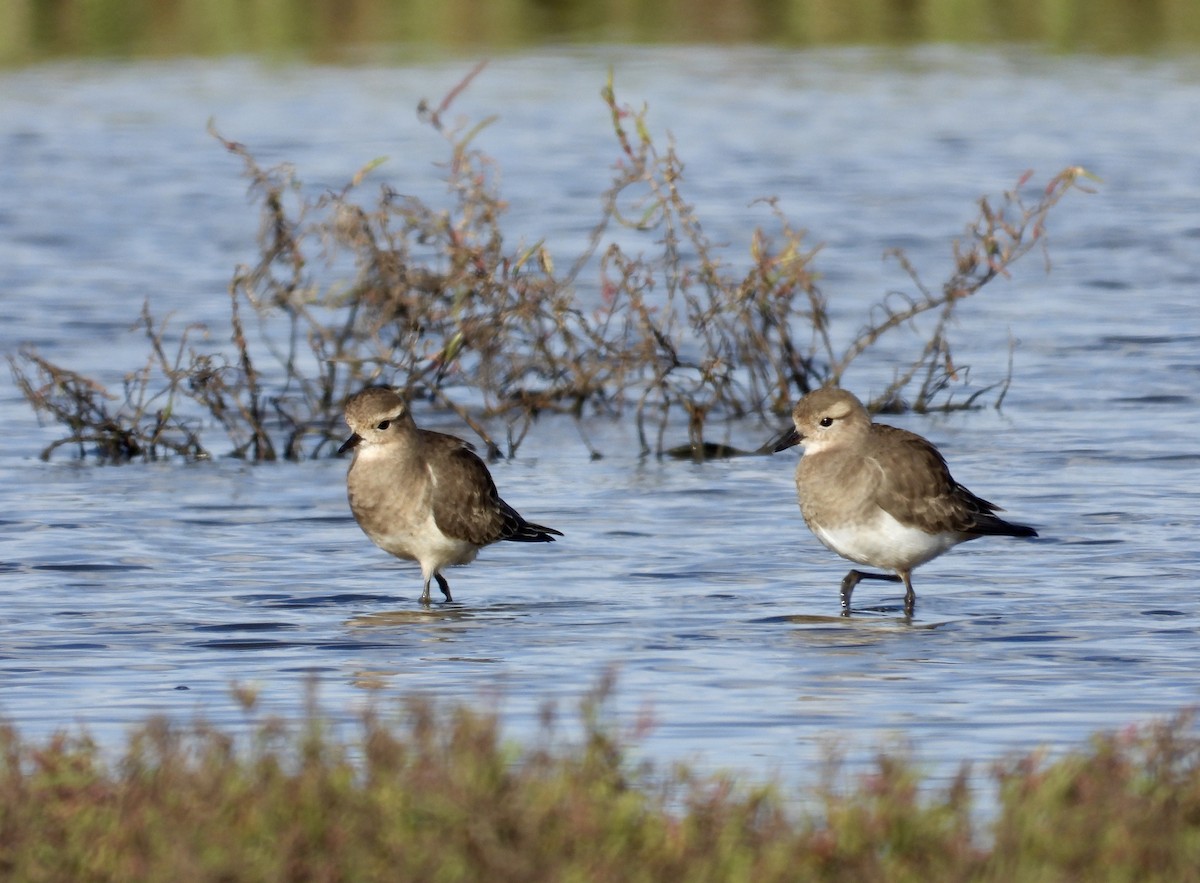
(145, 589)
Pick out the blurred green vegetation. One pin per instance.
(440, 795)
(348, 30)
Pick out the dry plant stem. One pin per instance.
(493, 449)
(260, 442)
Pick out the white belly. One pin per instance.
(886, 543)
(427, 544)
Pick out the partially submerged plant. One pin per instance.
(349, 291)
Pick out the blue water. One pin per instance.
(151, 589)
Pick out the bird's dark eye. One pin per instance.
(384, 425)
(826, 421)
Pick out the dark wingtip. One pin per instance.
(993, 526)
(534, 533)
(544, 534)
(1008, 529)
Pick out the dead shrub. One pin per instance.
(352, 288)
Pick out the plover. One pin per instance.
(881, 496)
(421, 495)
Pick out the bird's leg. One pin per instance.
(848, 583)
(425, 594)
(910, 597)
(442, 584)
(852, 578)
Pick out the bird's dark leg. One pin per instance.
(848, 583)
(443, 585)
(852, 579)
(910, 597)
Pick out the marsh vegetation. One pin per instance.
(436, 793)
(326, 29)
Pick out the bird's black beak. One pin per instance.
(350, 444)
(787, 440)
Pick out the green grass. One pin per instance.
(438, 795)
(32, 30)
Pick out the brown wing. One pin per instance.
(916, 486)
(466, 505)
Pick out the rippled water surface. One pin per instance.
(144, 589)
